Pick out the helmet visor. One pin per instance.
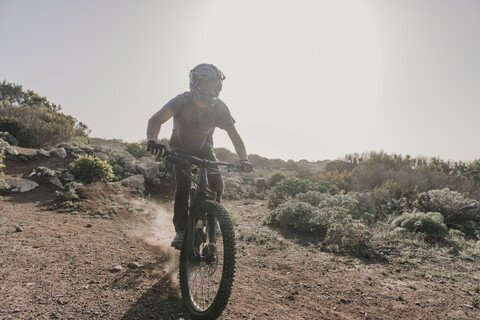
(209, 87)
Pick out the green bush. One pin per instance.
(445, 201)
(137, 150)
(233, 188)
(342, 233)
(311, 197)
(119, 157)
(348, 235)
(286, 189)
(294, 215)
(69, 194)
(450, 205)
(90, 169)
(38, 126)
(16, 129)
(33, 120)
(8, 138)
(430, 223)
(324, 186)
(275, 178)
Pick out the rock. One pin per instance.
(56, 181)
(135, 265)
(101, 156)
(88, 225)
(77, 153)
(149, 169)
(59, 152)
(130, 166)
(43, 152)
(116, 269)
(19, 229)
(118, 169)
(136, 181)
(65, 145)
(67, 176)
(21, 185)
(45, 172)
(12, 151)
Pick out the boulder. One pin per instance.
(59, 152)
(118, 169)
(43, 152)
(149, 169)
(65, 145)
(56, 181)
(101, 156)
(12, 151)
(77, 153)
(67, 176)
(21, 185)
(130, 166)
(136, 181)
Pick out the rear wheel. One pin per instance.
(206, 285)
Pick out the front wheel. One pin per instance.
(206, 281)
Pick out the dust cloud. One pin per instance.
(155, 226)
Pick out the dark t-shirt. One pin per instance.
(193, 128)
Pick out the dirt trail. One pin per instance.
(61, 266)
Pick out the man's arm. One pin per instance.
(156, 121)
(237, 143)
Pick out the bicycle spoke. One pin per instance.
(204, 276)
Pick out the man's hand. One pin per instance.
(245, 166)
(156, 148)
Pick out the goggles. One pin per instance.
(209, 87)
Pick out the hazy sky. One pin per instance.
(305, 79)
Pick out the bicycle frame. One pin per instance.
(197, 195)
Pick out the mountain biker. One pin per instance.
(196, 114)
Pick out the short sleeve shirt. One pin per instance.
(193, 128)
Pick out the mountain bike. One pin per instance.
(207, 255)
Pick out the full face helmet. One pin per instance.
(206, 83)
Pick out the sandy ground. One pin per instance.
(78, 266)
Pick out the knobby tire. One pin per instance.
(193, 282)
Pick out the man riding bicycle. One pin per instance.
(196, 114)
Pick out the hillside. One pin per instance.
(110, 259)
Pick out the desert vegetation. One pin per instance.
(357, 204)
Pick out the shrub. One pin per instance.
(294, 215)
(7, 137)
(233, 189)
(444, 201)
(458, 212)
(38, 126)
(33, 120)
(90, 169)
(325, 187)
(286, 189)
(312, 197)
(430, 223)
(16, 129)
(137, 150)
(348, 235)
(70, 192)
(275, 178)
(119, 157)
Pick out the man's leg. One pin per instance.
(180, 209)
(215, 179)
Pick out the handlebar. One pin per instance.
(174, 156)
